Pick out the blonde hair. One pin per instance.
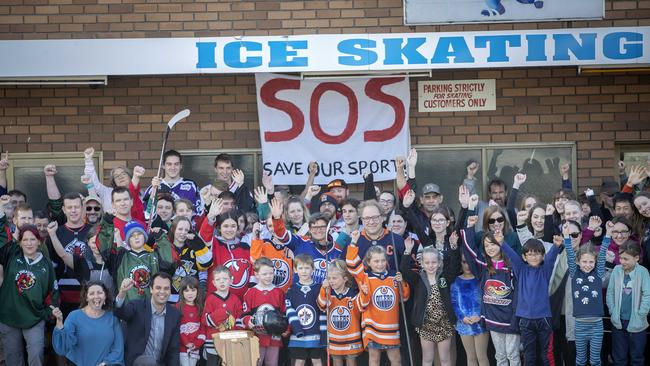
(375, 249)
(432, 250)
(339, 265)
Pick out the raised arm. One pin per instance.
(512, 199)
(400, 179)
(58, 247)
(53, 192)
(313, 169)
(515, 260)
(4, 165)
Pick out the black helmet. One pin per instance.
(268, 320)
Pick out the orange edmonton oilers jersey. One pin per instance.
(344, 320)
(380, 320)
(282, 258)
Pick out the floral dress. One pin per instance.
(436, 326)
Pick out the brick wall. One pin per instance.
(126, 118)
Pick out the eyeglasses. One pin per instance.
(498, 219)
(93, 208)
(371, 218)
(575, 235)
(621, 233)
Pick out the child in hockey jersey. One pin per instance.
(305, 318)
(381, 319)
(192, 333)
(264, 295)
(344, 318)
(279, 254)
(222, 309)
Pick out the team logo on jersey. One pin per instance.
(307, 315)
(185, 187)
(186, 268)
(76, 247)
(496, 292)
(239, 270)
(24, 280)
(383, 298)
(320, 270)
(280, 272)
(190, 328)
(141, 276)
(340, 318)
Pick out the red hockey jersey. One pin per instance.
(256, 297)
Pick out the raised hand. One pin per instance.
(86, 180)
(463, 196)
(550, 209)
(566, 228)
(594, 222)
(398, 277)
(522, 217)
(472, 169)
(621, 167)
(89, 152)
(5, 200)
(409, 198)
(267, 182)
(125, 286)
(610, 256)
(50, 170)
(206, 193)
(498, 235)
(312, 191)
(216, 208)
(453, 240)
(52, 227)
(354, 237)
(261, 196)
(257, 228)
(412, 158)
(520, 179)
(637, 175)
(313, 168)
(472, 220)
(117, 237)
(276, 208)
(409, 243)
(493, 203)
(364, 288)
(155, 182)
(558, 240)
(238, 177)
(609, 227)
(325, 284)
(138, 171)
(473, 202)
(4, 162)
(589, 192)
(400, 162)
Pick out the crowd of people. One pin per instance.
(121, 275)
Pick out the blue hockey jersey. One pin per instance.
(308, 322)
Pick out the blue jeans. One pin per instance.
(535, 333)
(625, 343)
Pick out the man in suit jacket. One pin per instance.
(152, 326)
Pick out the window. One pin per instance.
(446, 165)
(26, 174)
(199, 165)
(634, 154)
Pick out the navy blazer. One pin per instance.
(137, 315)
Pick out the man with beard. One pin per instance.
(93, 209)
(317, 246)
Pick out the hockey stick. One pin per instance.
(401, 299)
(327, 297)
(170, 125)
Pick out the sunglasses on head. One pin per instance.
(575, 235)
(498, 219)
(93, 208)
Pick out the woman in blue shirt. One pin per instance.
(91, 335)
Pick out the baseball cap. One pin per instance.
(327, 197)
(337, 183)
(430, 188)
(92, 198)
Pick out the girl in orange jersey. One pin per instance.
(344, 319)
(380, 321)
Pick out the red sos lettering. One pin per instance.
(269, 90)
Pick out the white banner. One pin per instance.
(493, 11)
(349, 127)
(326, 52)
(457, 95)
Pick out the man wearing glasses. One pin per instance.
(93, 209)
(374, 233)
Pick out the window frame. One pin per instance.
(60, 159)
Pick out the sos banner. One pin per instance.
(348, 126)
